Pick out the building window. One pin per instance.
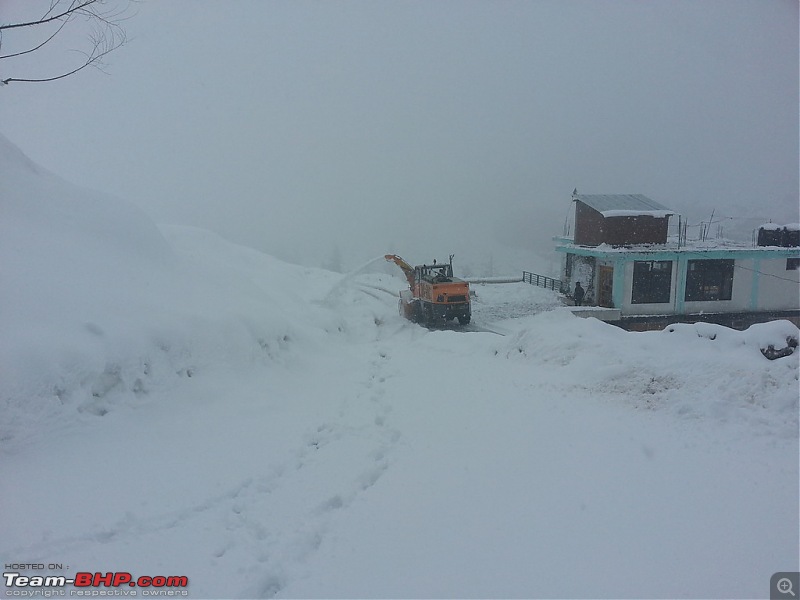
(709, 280)
(792, 264)
(652, 281)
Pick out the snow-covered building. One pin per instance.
(623, 257)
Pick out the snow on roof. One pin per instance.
(659, 214)
(776, 227)
(623, 205)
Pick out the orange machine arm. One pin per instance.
(408, 270)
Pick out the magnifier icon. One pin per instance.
(784, 586)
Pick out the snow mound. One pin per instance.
(101, 307)
(693, 371)
(774, 339)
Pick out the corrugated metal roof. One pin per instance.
(632, 202)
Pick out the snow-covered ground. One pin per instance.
(173, 404)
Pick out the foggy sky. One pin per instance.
(424, 128)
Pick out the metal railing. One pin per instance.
(541, 281)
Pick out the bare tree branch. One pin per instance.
(74, 7)
(35, 48)
(106, 35)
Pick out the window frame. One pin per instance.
(709, 280)
(652, 282)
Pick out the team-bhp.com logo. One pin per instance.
(94, 584)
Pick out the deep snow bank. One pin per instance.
(100, 307)
(691, 370)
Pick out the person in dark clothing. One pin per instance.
(578, 294)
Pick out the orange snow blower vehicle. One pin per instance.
(435, 296)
